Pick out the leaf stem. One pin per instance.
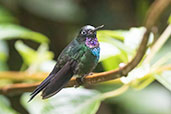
(116, 92)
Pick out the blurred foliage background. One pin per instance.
(34, 32)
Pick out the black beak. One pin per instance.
(97, 28)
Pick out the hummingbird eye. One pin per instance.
(83, 32)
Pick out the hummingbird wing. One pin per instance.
(62, 72)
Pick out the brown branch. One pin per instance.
(155, 12)
(152, 16)
(21, 76)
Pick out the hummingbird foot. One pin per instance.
(80, 81)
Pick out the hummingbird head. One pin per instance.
(89, 31)
(88, 35)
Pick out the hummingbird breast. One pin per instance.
(88, 61)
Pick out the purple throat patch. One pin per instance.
(91, 42)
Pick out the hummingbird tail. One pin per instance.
(59, 80)
(40, 87)
(55, 81)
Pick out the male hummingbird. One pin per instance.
(79, 58)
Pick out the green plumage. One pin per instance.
(79, 52)
(79, 58)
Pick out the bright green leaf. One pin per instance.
(27, 53)
(112, 62)
(11, 31)
(116, 34)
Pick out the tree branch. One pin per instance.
(152, 16)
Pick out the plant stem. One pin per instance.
(159, 43)
(116, 92)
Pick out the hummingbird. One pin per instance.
(78, 59)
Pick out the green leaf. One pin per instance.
(169, 20)
(119, 46)
(3, 51)
(165, 79)
(79, 101)
(112, 62)
(90, 107)
(111, 56)
(28, 54)
(32, 57)
(113, 52)
(3, 55)
(111, 47)
(6, 17)
(116, 34)
(11, 31)
(69, 100)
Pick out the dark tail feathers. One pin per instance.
(54, 82)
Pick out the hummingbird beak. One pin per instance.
(97, 28)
